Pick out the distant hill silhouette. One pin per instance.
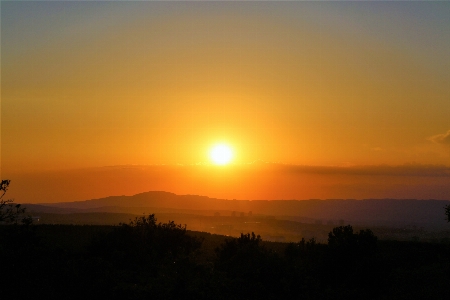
(390, 212)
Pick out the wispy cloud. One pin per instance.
(405, 170)
(443, 138)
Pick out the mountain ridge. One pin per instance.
(380, 211)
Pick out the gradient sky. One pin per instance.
(93, 84)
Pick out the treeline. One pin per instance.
(149, 260)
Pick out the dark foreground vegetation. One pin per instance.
(149, 260)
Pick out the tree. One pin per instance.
(145, 242)
(9, 212)
(343, 240)
(150, 260)
(246, 243)
(447, 212)
(249, 269)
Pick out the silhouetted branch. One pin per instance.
(10, 213)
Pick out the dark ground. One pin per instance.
(146, 259)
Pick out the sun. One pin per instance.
(221, 154)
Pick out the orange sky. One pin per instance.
(94, 84)
(257, 181)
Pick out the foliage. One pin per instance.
(343, 240)
(10, 213)
(156, 258)
(447, 212)
(251, 270)
(145, 259)
(232, 248)
(304, 252)
(356, 255)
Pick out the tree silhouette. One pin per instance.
(250, 270)
(342, 239)
(144, 241)
(447, 212)
(9, 212)
(246, 243)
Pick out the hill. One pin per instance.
(373, 212)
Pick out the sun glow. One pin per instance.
(221, 154)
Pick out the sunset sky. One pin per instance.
(88, 85)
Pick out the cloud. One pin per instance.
(443, 138)
(406, 170)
